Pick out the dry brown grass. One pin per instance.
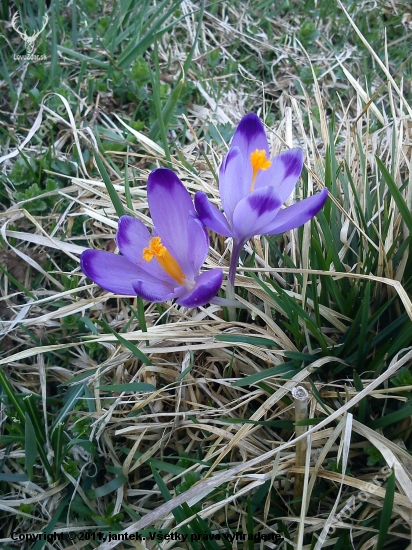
(200, 414)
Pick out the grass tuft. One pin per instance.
(122, 416)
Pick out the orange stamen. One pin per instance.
(169, 264)
(259, 161)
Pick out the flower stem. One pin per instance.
(230, 285)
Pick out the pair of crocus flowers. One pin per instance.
(166, 264)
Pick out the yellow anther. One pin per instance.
(169, 264)
(259, 161)
(155, 249)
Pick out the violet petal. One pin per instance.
(170, 207)
(132, 237)
(283, 174)
(207, 286)
(298, 214)
(154, 291)
(111, 272)
(249, 136)
(211, 216)
(233, 185)
(198, 245)
(255, 213)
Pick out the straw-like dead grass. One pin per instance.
(236, 442)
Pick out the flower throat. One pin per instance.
(157, 250)
(259, 161)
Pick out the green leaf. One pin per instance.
(158, 464)
(30, 447)
(268, 373)
(14, 478)
(386, 514)
(90, 325)
(137, 47)
(241, 339)
(108, 488)
(180, 513)
(72, 396)
(396, 194)
(9, 391)
(81, 57)
(392, 418)
(114, 197)
(160, 124)
(57, 444)
(131, 347)
(37, 422)
(17, 284)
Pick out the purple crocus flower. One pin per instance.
(253, 188)
(164, 265)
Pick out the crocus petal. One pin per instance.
(211, 215)
(233, 185)
(298, 214)
(170, 207)
(207, 286)
(249, 136)
(198, 245)
(283, 174)
(132, 237)
(155, 291)
(255, 213)
(112, 272)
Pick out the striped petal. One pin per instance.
(112, 272)
(256, 213)
(283, 174)
(298, 214)
(132, 237)
(171, 207)
(211, 216)
(207, 286)
(233, 185)
(155, 291)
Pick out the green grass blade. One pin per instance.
(392, 418)
(81, 57)
(30, 446)
(363, 346)
(127, 195)
(161, 123)
(386, 514)
(50, 527)
(114, 197)
(396, 194)
(138, 47)
(9, 391)
(16, 283)
(57, 444)
(131, 347)
(71, 399)
(279, 370)
(170, 108)
(54, 65)
(107, 488)
(35, 418)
